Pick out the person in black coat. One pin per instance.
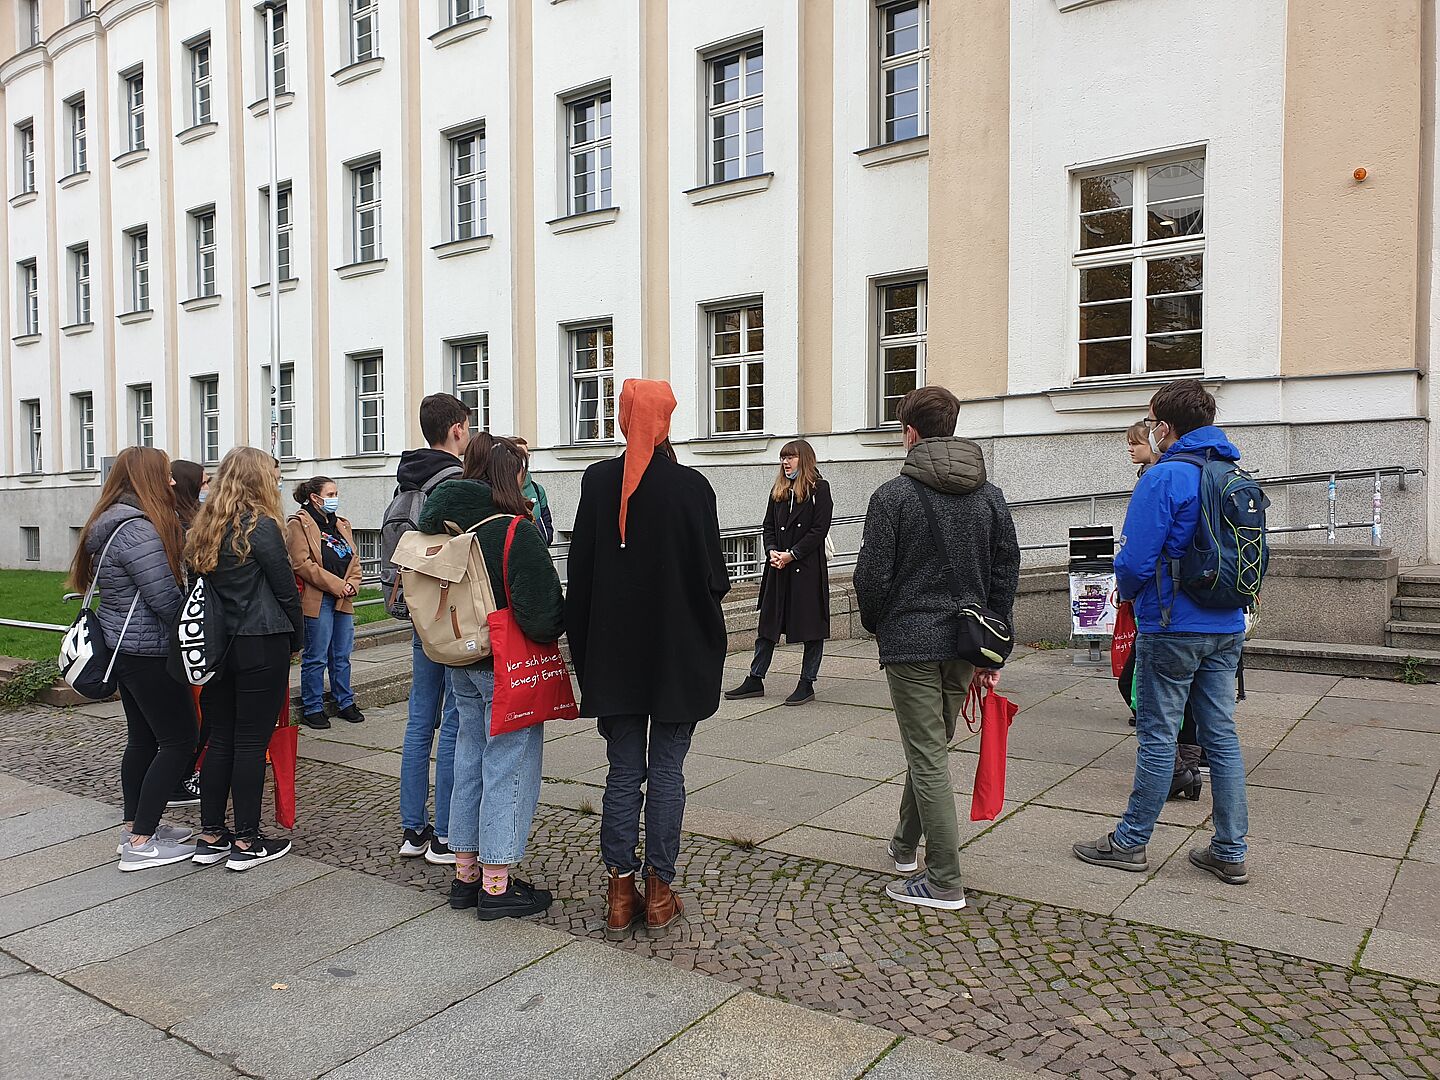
(795, 590)
(647, 639)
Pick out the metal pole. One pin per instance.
(1330, 511)
(274, 225)
(1375, 513)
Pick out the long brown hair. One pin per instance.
(242, 493)
(502, 472)
(142, 474)
(188, 477)
(807, 473)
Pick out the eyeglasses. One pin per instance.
(1150, 421)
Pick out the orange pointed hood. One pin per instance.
(645, 409)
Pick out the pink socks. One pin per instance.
(467, 867)
(496, 879)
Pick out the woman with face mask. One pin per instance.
(795, 591)
(322, 551)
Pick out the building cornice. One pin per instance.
(117, 11)
(34, 57)
(71, 35)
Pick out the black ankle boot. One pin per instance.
(751, 687)
(1186, 784)
(804, 691)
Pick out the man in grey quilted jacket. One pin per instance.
(902, 587)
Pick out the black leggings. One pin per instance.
(240, 706)
(160, 728)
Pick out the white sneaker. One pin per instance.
(154, 852)
(174, 834)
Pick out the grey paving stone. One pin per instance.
(330, 750)
(848, 755)
(1290, 682)
(255, 946)
(383, 764)
(745, 707)
(575, 755)
(527, 1024)
(53, 1030)
(1414, 904)
(1079, 707)
(1373, 780)
(19, 797)
(380, 731)
(53, 900)
(10, 966)
(874, 813)
(136, 921)
(1024, 780)
(367, 993)
(1397, 953)
(1122, 757)
(54, 824)
(756, 742)
(770, 791)
(46, 864)
(1387, 690)
(1264, 704)
(572, 795)
(1067, 746)
(757, 1038)
(1426, 845)
(1105, 791)
(701, 770)
(1375, 712)
(1334, 821)
(728, 825)
(1363, 743)
(921, 1059)
(869, 693)
(101, 710)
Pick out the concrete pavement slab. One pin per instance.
(1414, 904)
(527, 1024)
(1290, 682)
(573, 756)
(1363, 743)
(1106, 791)
(572, 795)
(367, 993)
(380, 731)
(1333, 821)
(10, 966)
(1263, 704)
(386, 763)
(47, 864)
(101, 710)
(822, 845)
(745, 707)
(1388, 690)
(1396, 953)
(1426, 845)
(701, 770)
(1024, 780)
(54, 824)
(1378, 713)
(755, 741)
(770, 791)
(874, 813)
(728, 825)
(53, 900)
(848, 755)
(921, 1059)
(1079, 707)
(1064, 746)
(867, 693)
(1365, 780)
(337, 753)
(1122, 758)
(758, 1038)
(20, 797)
(136, 921)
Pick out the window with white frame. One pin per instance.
(207, 398)
(901, 350)
(284, 233)
(84, 8)
(370, 404)
(25, 157)
(80, 283)
(588, 139)
(137, 248)
(84, 409)
(34, 433)
(364, 30)
(470, 368)
(276, 50)
(737, 369)
(202, 228)
(32, 20)
(365, 211)
(142, 406)
(75, 118)
(735, 104)
(904, 83)
(27, 280)
(462, 11)
(285, 412)
(1139, 263)
(467, 184)
(200, 97)
(742, 557)
(31, 535)
(592, 382)
(135, 110)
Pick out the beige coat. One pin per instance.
(302, 540)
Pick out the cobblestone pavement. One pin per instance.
(1063, 992)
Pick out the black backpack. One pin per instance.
(402, 516)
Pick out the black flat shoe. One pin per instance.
(351, 713)
(519, 899)
(804, 691)
(750, 688)
(317, 720)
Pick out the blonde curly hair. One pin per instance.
(242, 492)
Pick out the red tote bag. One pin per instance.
(993, 723)
(1122, 642)
(532, 683)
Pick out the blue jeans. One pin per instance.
(1169, 669)
(432, 706)
(329, 641)
(497, 777)
(643, 752)
(809, 662)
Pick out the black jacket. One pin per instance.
(796, 601)
(259, 593)
(900, 581)
(646, 632)
(418, 466)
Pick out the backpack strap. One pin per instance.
(956, 589)
(95, 573)
(1199, 461)
(447, 473)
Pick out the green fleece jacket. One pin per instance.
(534, 586)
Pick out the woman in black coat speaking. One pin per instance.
(795, 591)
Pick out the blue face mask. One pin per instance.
(790, 474)
(331, 504)
(201, 496)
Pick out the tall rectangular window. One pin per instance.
(364, 30)
(592, 383)
(137, 243)
(30, 417)
(1139, 260)
(84, 408)
(284, 233)
(285, 408)
(202, 226)
(33, 21)
(901, 344)
(25, 157)
(207, 395)
(462, 11)
(135, 110)
(80, 283)
(737, 369)
(370, 404)
(470, 363)
(200, 82)
(28, 288)
(142, 402)
(365, 211)
(467, 185)
(278, 49)
(75, 116)
(589, 148)
(31, 535)
(904, 103)
(735, 103)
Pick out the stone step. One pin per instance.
(1412, 635)
(1417, 609)
(1327, 658)
(1423, 581)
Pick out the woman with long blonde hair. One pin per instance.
(131, 548)
(795, 589)
(237, 543)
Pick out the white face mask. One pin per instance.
(1154, 446)
(201, 496)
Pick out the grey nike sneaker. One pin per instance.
(174, 834)
(154, 852)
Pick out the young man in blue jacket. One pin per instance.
(1183, 650)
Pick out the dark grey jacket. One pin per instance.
(900, 579)
(259, 594)
(135, 563)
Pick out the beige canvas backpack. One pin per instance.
(447, 589)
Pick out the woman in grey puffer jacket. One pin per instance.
(139, 579)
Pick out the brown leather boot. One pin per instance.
(624, 905)
(662, 905)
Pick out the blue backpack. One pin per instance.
(1226, 562)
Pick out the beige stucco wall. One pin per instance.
(817, 214)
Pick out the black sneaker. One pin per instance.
(518, 900)
(207, 854)
(187, 793)
(351, 713)
(317, 720)
(750, 688)
(416, 842)
(260, 851)
(464, 894)
(439, 853)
